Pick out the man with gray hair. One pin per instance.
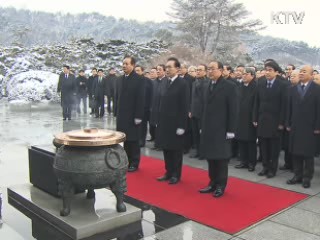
(245, 132)
(303, 123)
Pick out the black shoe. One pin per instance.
(306, 184)
(173, 180)
(241, 165)
(251, 168)
(150, 140)
(201, 158)
(208, 189)
(218, 192)
(284, 167)
(194, 155)
(64, 119)
(163, 178)
(270, 175)
(132, 169)
(294, 180)
(263, 172)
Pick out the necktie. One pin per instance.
(169, 83)
(66, 76)
(302, 87)
(269, 85)
(212, 85)
(100, 79)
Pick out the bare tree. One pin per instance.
(211, 23)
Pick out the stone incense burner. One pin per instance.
(89, 159)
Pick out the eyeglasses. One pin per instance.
(200, 70)
(212, 69)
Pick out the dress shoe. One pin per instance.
(150, 140)
(132, 169)
(306, 184)
(263, 172)
(208, 189)
(194, 155)
(201, 158)
(173, 180)
(251, 168)
(163, 178)
(294, 180)
(241, 165)
(285, 167)
(218, 192)
(270, 175)
(64, 119)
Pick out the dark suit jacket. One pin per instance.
(245, 129)
(130, 105)
(98, 88)
(197, 97)
(173, 114)
(219, 117)
(270, 107)
(303, 117)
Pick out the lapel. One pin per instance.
(219, 86)
(308, 90)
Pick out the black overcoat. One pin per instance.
(270, 107)
(197, 97)
(303, 117)
(159, 88)
(219, 117)
(130, 105)
(245, 128)
(68, 89)
(173, 114)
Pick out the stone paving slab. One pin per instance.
(190, 230)
(273, 231)
(312, 204)
(297, 218)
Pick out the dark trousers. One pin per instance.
(195, 124)
(91, 103)
(152, 131)
(285, 147)
(84, 104)
(99, 107)
(270, 149)
(187, 137)
(234, 148)
(173, 162)
(110, 101)
(144, 129)
(248, 152)
(66, 111)
(132, 149)
(303, 167)
(218, 172)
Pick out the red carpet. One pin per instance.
(243, 204)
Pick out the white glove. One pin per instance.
(137, 121)
(180, 131)
(230, 135)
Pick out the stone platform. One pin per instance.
(87, 218)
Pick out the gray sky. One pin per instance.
(155, 10)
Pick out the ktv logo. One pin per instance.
(287, 17)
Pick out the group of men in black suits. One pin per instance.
(76, 90)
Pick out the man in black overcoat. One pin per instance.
(130, 110)
(172, 122)
(218, 128)
(189, 80)
(68, 88)
(91, 80)
(197, 107)
(110, 90)
(246, 132)
(82, 91)
(147, 105)
(98, 93)
(303, 124)
(269, 117)
(159, 88)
